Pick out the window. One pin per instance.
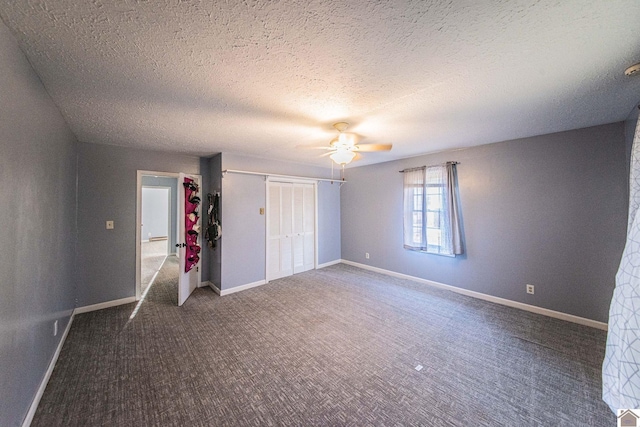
(431, 221)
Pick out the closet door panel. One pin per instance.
(298, 253)
(275, 236)
(298, 212)
(286, 211)
(309, 252)
(286, 256)
(274, 211)
(309, 209)
(273, 263)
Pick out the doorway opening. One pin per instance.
(157, 227)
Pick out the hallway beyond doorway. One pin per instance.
(154, 253)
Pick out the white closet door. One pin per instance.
(273, 236)
(291, 229)
(298, 228)
(286, 234)
(304, 225)
(280, 228)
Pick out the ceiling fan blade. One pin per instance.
(373, 147)
(314, 147)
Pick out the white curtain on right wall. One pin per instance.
(621, 367)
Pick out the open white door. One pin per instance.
(187, 281)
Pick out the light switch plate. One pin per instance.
(109, 225)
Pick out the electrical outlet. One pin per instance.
(530, 289)
(366, 255)
(55, 328)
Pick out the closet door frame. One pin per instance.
(268, 275)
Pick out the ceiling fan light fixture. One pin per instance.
(346, 139)
(342, 156)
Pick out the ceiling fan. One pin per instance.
(344, 147)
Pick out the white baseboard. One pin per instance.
(94, 307)
(327, 264)
(205, 283)
(233, 290)
(47, 375)
(485, 297)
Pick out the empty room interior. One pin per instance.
(319, 213)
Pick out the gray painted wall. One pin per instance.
(107, 191)
(243, 228)
(215, 185)
(205, 252)
(161, 181)
(329, 222)
(38, 217)
(548, 210)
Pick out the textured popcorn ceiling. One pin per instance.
(263, 77)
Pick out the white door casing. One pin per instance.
(140, 175)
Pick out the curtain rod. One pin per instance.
(420, 167)
(275, 175)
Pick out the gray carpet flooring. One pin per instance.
(335, 347)
(152, 257)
